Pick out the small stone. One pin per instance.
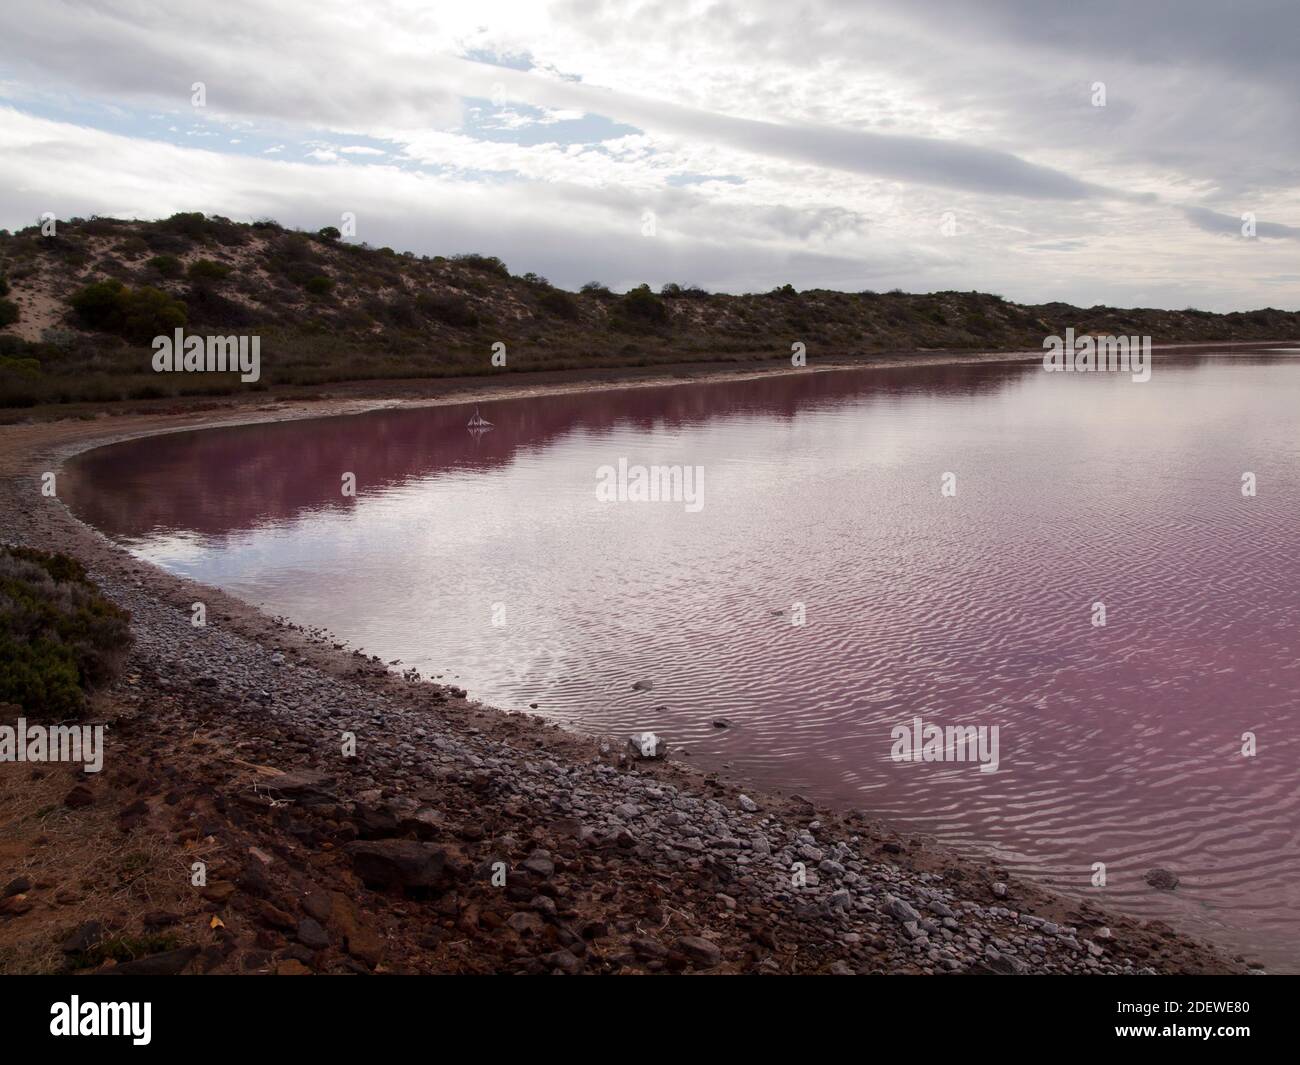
(563, 961)
(650, 949)
(1161, 879)
(311, 934)
(701, 953)
(83, 939)
(539, 865)
(901, 911)
(16, 887)
(219, 891)
(526, 924)
(160, 919)
(318, 904)
(78, 797)
(747, 804)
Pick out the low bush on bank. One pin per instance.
(59, 638)
(137, 314)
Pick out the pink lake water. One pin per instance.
(488, 558)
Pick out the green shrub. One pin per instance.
(488, 264)
(673, 291)
(27, 368)
(190, 224)
(559, 303)
(208, 270)
(59, 638)
(319, 286)
(400, 311)
(450, 310)
(642, 305)
(165, 243)
(166, 265)
(8, 313)
(132, 247)
(136, 314)
(329, 233)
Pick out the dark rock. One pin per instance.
(1005, 964)
(79, 796)
(702, 953)
(397, 863)
(318, 904)
(160, 919)
(311, 934)
(425, 823)
(901, 910)
(539, 864)
(219, 892)
(15, 906)
(526, 924)
(1162, 879)
(305, 787)
(272, 915)
(16, 887)
(169, 963)
(253, 879)
(645, 947)
(299, 953)
(83, 939)
(563, 961)
(374, 822)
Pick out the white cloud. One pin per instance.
(823, 140)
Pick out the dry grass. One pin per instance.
(82, 868)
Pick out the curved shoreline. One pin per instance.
(867, 868)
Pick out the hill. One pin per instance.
(79, 307)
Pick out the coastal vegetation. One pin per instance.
(59, 638)
(79, 307)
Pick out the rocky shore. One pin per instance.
(455, 838)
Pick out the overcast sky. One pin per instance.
(921, 144)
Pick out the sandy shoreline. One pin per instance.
(225, 745)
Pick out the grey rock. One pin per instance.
(901, 911)
(701, 952)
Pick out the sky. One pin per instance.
(1129, 153)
